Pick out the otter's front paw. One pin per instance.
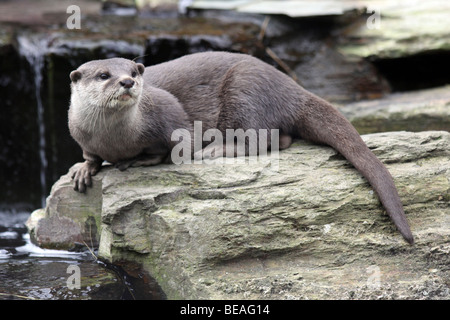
(82, 176)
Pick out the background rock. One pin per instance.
(306, 227)
(404, 28)
(418, 111)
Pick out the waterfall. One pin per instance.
(33, 49)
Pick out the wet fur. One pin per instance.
(224, 91)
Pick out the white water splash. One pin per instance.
(35, 251)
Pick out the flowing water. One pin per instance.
(33, 48)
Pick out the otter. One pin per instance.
(125, 113)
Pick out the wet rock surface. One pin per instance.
(311, 229)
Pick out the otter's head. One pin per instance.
(109, 84)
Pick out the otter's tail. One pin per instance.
(324, 124)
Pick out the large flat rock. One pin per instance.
(305, 227)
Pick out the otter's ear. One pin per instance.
(75, 75)
(141, 68)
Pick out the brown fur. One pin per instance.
(224, 91)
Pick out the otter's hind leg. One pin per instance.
(234, 149)
(285, 141)
(140, 161)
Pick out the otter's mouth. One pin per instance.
(124, 97)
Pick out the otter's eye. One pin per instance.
(134, 74)
(104, 76)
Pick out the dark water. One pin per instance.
(29, 272)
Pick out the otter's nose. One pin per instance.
(128, 83)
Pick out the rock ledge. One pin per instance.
(310, 228)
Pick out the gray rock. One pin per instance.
(402, 29)
(412, 111)
(306, 227)
(69, 218)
